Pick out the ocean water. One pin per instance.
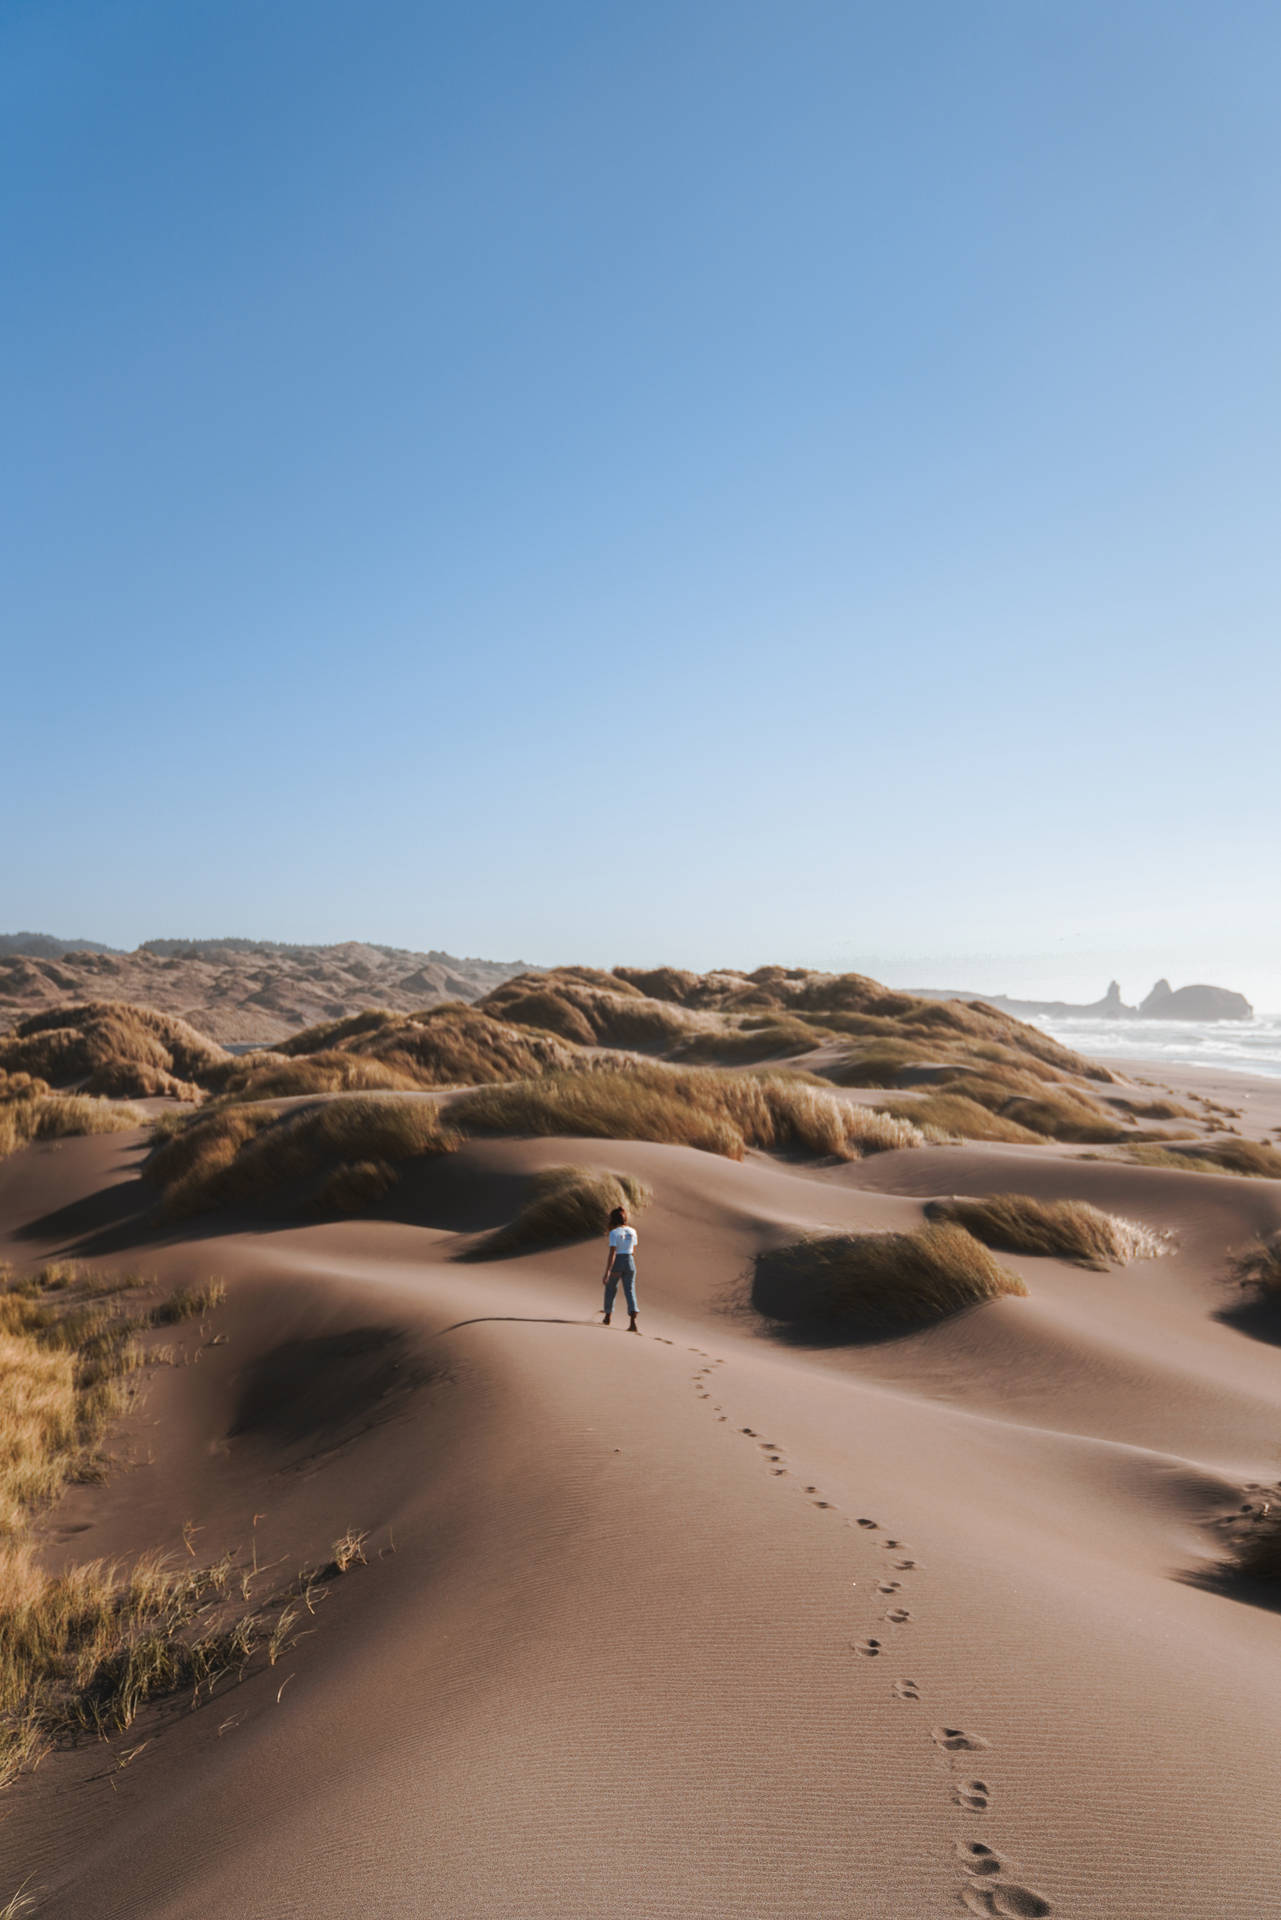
(1246, 1046)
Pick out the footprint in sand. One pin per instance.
(869, 1648)
(749, 1431)
(906, 1690)
(869, 1523)
(978, 1858)
(889, 1586)
(956, 1740)
(907, 1566)
(975, 1795)
(778, 1471)
(1005, 1901)
(821, 1503)
(898, 1615)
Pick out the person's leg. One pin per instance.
(629, 1290)
(611, 1288)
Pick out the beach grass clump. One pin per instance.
(591, 1010)
(944, 1115)
(1253, 1159)
(1150, 1109)
(275, 1076)
(85, 1650)
(1060, 1114)
(717, 1112)
(1259, 1266)
(189, 1303)
(1058, 1229)
(30, 1111)
(1256, 1552)
(869, 1284)
(111, 1047)
(445, 1046)
(566, 1204)
(747, 1043)
(883, 1062)
(317, 1157)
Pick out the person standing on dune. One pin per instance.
(620, 1264)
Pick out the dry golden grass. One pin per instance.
(1151, 1109)
(865, 1284)
(746, 1044)
(110, 1047)
(274, 1076)
(1252, 1158)
(1260, 1266)
(565, 1204)
(325, 1157)
(881, 1062)
(68, 1366)
(945, 1115)
(86, 1650)
(29, 1111)
(1060, 1114)
(446, 1046)
(721, 1113)
(1060, 1229)
(591, 1010)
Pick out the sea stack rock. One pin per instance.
(1195, 1003)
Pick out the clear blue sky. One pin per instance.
(717, 482)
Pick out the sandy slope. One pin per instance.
(618, 1663)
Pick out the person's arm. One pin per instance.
(609, 1257)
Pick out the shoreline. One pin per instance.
(1256, 1095)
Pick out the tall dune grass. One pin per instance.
(1254, 1159)
(565, 1204)
(317, 1156)
(1061, 1229)
(111, 1047)
(30, 1111)
(446, 1046)
(84, 1651)
(944, 1115)
(865, 1284)
(1260, 1266)
(720, 1113)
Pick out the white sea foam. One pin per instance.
(1246, 1046)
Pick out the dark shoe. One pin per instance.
(605, 1321)
(633, 1327)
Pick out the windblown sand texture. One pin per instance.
(746, 1617)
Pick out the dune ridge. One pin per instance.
(742, 1616)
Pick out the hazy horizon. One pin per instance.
(1079, 978)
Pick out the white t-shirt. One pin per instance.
(622, 1239)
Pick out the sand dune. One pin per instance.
(710, 1621)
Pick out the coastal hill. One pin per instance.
(1198, 1002)
(237, 991)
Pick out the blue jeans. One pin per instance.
(624, 1269)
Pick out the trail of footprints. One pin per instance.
(986, 1887)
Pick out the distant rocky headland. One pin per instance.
(1165, 1002)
